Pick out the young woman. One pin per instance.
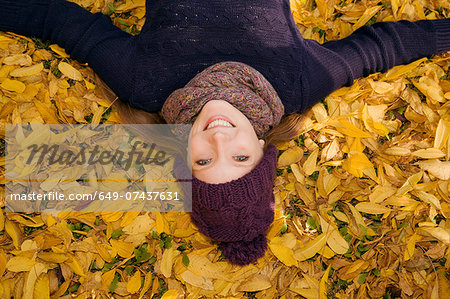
(232, 69)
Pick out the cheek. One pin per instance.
(198, 148)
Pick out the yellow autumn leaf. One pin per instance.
(397, 151)
(167, 261)
(410, 183)
(111, 216)
(18, 59)
(380, 193)
(284, 254)
(400, 70)
(371, 208)
(97, 115)
(326, 182)
(201, 265)
(147, 284)
(13, 230)
(129, 5)
(356, 163)
(47, 114)
(360, 221)
(337, 243)
(351, 130)
(42, 287)
(33, 275)
(410, 246)
(429, 153)
(255, 283)
(312, 293)
(372, 125)
(123, 249)
(69, 71)
(90, 85)
(197, 280)
(27, 71)
(52, 257)
(437, 168)
(430, 88)
(340, 216)
(2, 220)
(75, 265)
(108, 277)
(438, 233)
(327, 252)
(134, 284)
(323, 284)
(102, 250)
(442, 133)
(311, 248)
(444, 284)
(290, 156)
(62, 289)
(19, 264)
(13, 85)
(429, 198)
(162, 226)
(3, 262)
(310, 164)
(170, 294)
(368, 14)
(58, 50)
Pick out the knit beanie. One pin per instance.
(237, 83)
(237, 214)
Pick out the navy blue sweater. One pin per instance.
(182, 38)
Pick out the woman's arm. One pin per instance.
(87, 37)
(368, 50)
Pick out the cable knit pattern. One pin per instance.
(236, 213)
(182, 38)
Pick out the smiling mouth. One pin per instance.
(218, 122)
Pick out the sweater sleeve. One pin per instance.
(88, 38)
(368, 50)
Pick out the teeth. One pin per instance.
(219, 122)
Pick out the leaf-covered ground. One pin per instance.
(362, 196)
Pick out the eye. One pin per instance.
(203, 162)
(241, 158)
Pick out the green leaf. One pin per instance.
(129, 270)
(114, 283)
(111, 7)
(152, 260)
(362, 277)
(314, 176)
(185, 259)
(116, 234)
(311, 223)
(142, 254)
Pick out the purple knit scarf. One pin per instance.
(237, 83)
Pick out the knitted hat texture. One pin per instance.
(237, 83)
(237, 213)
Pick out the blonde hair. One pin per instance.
(290, 127)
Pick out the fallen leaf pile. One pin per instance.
(362, 196)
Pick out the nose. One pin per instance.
(219, 137)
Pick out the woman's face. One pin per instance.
(223, 144)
